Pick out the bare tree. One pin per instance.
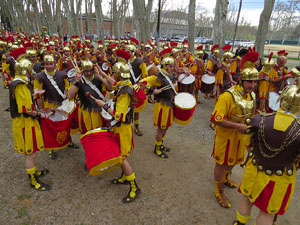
(219, 22)
(263, 26)
(142, 13)
(99, 19)
(72, 15)
(88, 15)
(191, 33)
(237, 22)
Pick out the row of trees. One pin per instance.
(30, 15)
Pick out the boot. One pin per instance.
(52, 155)
(220, 196)
(164, 148)
(35, 182)
(41, 173)
(228, 182)
(137, 130)
(158, 150)
(134, 189)
(120, 180)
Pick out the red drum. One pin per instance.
(139, 97)
(207, 83)
(184, 108)
(187, 83)
(56, 129)
(101, 151)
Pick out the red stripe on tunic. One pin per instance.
(285, 200)
(34, 142)
(263, 199)
(226, 153)
(160, 117)
(83, 128)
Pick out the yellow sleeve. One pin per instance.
(156, 61)
(247, 139)
(59, 64)
(222, 107)
(23, 99)
(67, 84)
(122, 104)
(191, 59)
(273, 75)
(37, 85)
(143, 68)
(219, 77)
(233, 66)
(151, 81)
(5, 67)
(94, 57)
(209, 65)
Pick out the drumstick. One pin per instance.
(88, 94)
(165, 88)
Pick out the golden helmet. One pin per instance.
(116, 67)
(51, 43)
(175, 50)
(228, 55)
(249, 72)
(31, 52)
(22, 67)
(290, 99)
(13, 47)
(86, 65)
(49, 58)
(125, 71)
(131, 48)
(167, 59)
(66, 48)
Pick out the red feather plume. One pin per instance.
(166, 51)
(17, 52)
(134, 40)
(270, 56)
(123, 54)
(250, 56)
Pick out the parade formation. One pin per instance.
(99, 89)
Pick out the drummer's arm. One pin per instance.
(105, 79)
(24, 101)
(209, 68)
(38, 97)
(149, 83)
(72, 91)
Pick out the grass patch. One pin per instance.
(22, 212)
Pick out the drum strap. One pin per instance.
(92, 86)
(132, 74)
(54, 84)
(168, 79)
(114, 122)
(18, 78)
(150, 66)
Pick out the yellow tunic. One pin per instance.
(254, 181)
(229, 146)
(123, 133)
(163, 115)
(22, 127)
(273, 74)
(263, 86)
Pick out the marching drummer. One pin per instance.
(55, 83)
(223, 77)
(212, 66)
(123, 114)
(26, 129)
(89, 84)
(198, 69)
(162, 86)
(232, 109)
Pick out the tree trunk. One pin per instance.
(191, 32)
(99, 19)
(116, 19)
(219, 22)
(237, 23)
(263, 27)
(141, 14)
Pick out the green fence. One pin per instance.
(279, 42)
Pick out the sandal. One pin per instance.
(161, 154)
(42, 172)
(52, 155)
(138, 132)
(230, 183)
(222, 199)
(121, 180)
(132, 195)
(40, 186)
(164, 148)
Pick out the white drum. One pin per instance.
(208, 79)
(67, 106)
(274, 104)
(106, 116)
(186, 79)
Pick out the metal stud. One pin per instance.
(254, 161)
(250, 154)
(290, 172)
(268, 172)
(260, 168)
(279, 172)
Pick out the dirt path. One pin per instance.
(178, 190)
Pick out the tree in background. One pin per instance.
(263, 26)
(219, 22)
